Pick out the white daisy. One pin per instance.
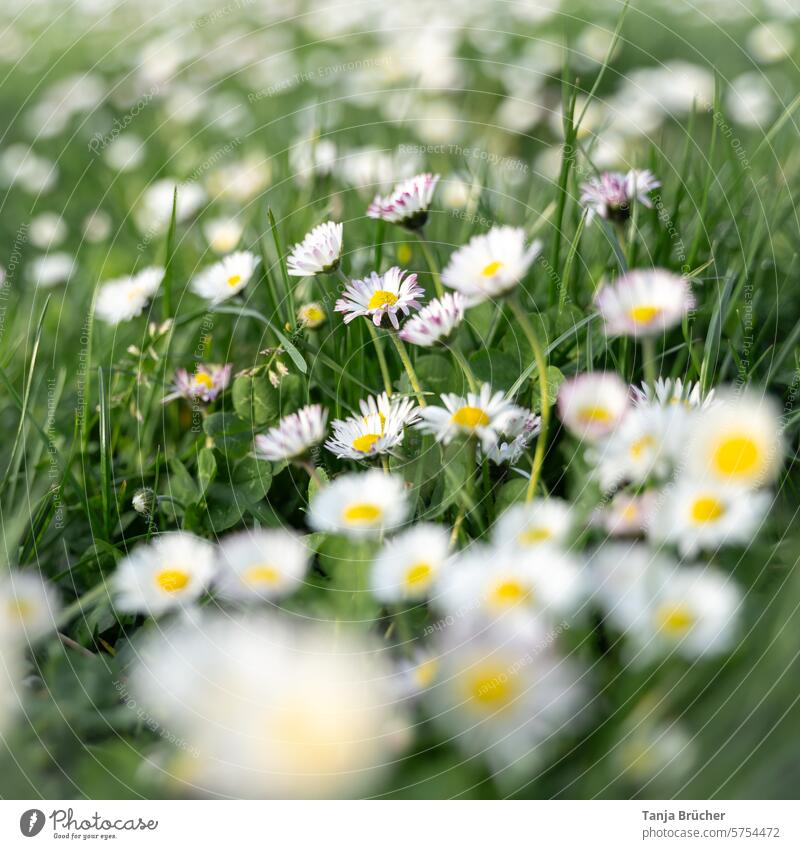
(417, 673)
(311, 315)
(155, 211)
(318, 253)
(294, 434)
(667, 391)
(490, 265)
(510, 583)
(266, 709)
(485, 415)
(626, 514)
(663, 607)
(402, 409)
(591, 405)
(379, 295)
(126, 297)
(611, 195)
(362, 437)
(408, 565)
(514, 440)
(52, 269)
(408, 204)
(706, 515)
(644, 302)
(261, 564)
(540, 523)
(29, 607)
(223, 234)
(505, 700)
(648, 443)
(360, 505)
(204, 384)
(737, 441)
(172, 571)
(225, 278)
(435, 321)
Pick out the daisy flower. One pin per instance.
(225, 278)
(361, 437)
(223, 234)
(490, 265)
(647, 443)
(626, 514)
(417, 673)
(204, 384)
(294, 434)
(311, 315)
(172, 571)
(611, 194)
(504, 699)
(517, 436)
(29, 607)
(667, 391)
(155, 211)
(51, 269)
(267, 709)
(261, 564)
(360, 505)
(706, 515)
(379, 295)
(125, 297)
(507, 582)
(407, 566)
(408, 204)
(663, 607)
(644, 302)
(402, 409)
(737, 441)
(485, 415)
(591, 405)
(318, 253)
(434, 322)
(537, 524)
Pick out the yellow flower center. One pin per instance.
(491, 686)
(382, 299)
(641, 445)
(261, 573)
(508, 593)
(313, 314)
(591, 415)
(362, 513)
(736, 455)
(172, 580)
(234, 280)
(204, 379)
(470, 417)
(532, 536)
(629, 512)
(425, 673)
(418, 576)
(644, 314)
(20, 608)
(707, 509)
(364, 443)
(674, 619)
(492, 268)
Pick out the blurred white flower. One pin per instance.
(155, 209)
(51, 269)
(611, 195)
(47, 230)
(541, 523)
(225, 278)
(29, 607)
(360, 505)
(408, 204)
(223, 234)
(124, 298)
(261, 564)
(126, 153)
(172, 571)
(490, 265)
(203, 384)
(408, 565)
(311, 315)
(593, 404)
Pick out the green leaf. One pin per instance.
(554, 380)
(510, 493)
(496, 367)
(180, 484)
(206, 468)
(255, 400)
(251, 479)
(230, 435)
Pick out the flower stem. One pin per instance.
(308, 467)
(541, 368)
(459, 357)
(649, 360)
(412, 375)
(87, 600)
(430, 259)
(387, 380)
